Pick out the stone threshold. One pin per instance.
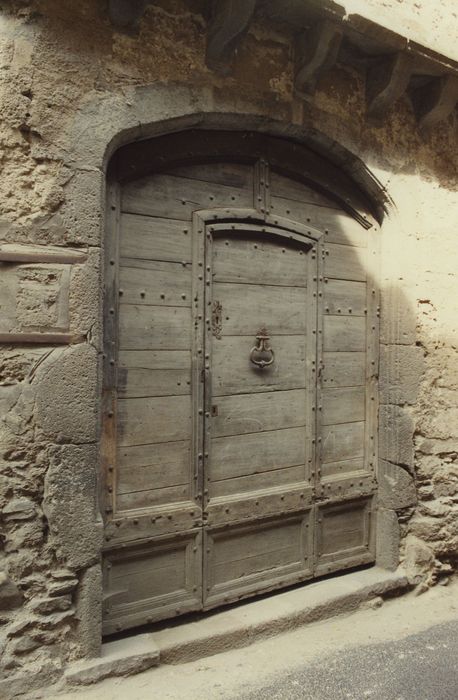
(240, 626)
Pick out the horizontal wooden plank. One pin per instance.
(153, 498)
(233, 373)
(344, 263)
(230, 174)
(154, 373)
(344, 405)
(147, 238)
(155, 283)
(344, 334)
(150, 420)
(253, 260)
(275, 478)
(345, 297)
(256, 452)
(343, 369)
(251, 413)
(153, 466)
(247, 307)
(281, 186)
(342, 442)
(343, 528)
(154, 327)
(346, 468)
(174, 197)
(336, 225)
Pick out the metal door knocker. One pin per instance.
(262, 354)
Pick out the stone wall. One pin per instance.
(71, 90)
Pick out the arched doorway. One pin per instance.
(240, 405)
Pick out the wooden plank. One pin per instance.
(343, 369)
(285, 187)
(254, 260)
(155, 283)
(158, 419)
(344, 334)
(343, 528)
(153, 498)
(233, 373)
(153, 466)
(345, 297)
(150, 373)
(154, 328)
(344, 405)
(252, 413)
(343, 442)
(257, 452)
(346, 468)
(239, 555)
(337, 226)
(155, 239)
(230, 174)
(248, 307)
(275, 478)
(178, 197)
(344, 263)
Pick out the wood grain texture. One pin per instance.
(252, 260)
(344, 334)
(174, 197)
(233, 373)
(343, 405)
(254, 453)
(252, 413)
(150, 420)
(154, 327)
(247, 308)
(148, 238)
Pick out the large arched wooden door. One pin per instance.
(239, 405)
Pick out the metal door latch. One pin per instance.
(262, 354)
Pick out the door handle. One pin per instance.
(262, 354)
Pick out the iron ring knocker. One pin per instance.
(262, 348)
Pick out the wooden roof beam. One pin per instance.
(386, 81)
(436, 100)
(316, 52)
(228, 24)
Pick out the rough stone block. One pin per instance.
(10, 595)
(418, 557)
(89, 612)
(66, 394)
(398, 321)
(396, 429)
(70, 505)
(388, 539)
(401, 368)
(121, 658)
(396, 487)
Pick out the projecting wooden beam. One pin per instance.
(125, 14)
(316, 53)
(229, 22)
(386, 82)
(436, 100)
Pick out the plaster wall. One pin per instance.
(71, 90)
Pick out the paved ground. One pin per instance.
(420, 667)
(407, 649)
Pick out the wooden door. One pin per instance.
(239, 407)
(261, 348)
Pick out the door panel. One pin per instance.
(225, 478)
(257, 440)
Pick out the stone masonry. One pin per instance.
(72, 89)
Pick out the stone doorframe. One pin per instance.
(98, 132)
